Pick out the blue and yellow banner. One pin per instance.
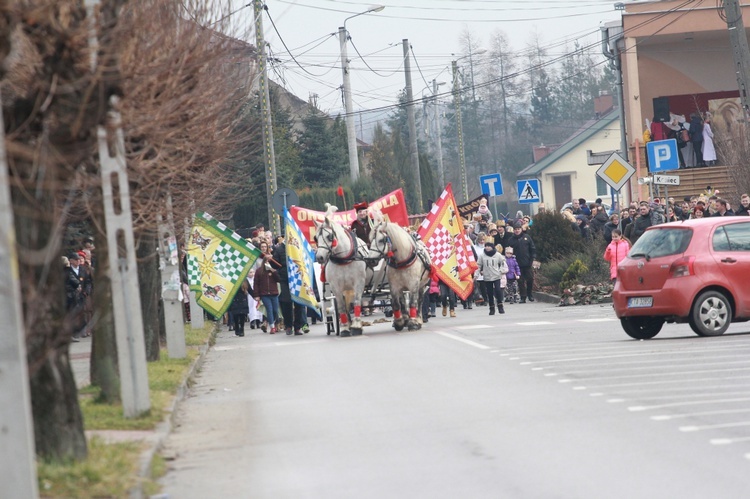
(299, 262)
(218, 260)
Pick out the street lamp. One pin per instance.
(351, 133)
(459, 121)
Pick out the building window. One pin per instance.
(602, 189)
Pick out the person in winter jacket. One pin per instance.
(614, 222)
(512, 276)
(599, 219)
(493, 268)
(430, 300)
(639, 225)
(744, 209)
(266, 289)
(240, 308)
(525, 251)
(616, 252)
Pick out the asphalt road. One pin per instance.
(542, 402)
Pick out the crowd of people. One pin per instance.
(695, 138)
(503, 249)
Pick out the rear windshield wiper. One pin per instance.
(644, 255)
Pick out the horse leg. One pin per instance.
(417, 321)
(343, 316)
(398, 318)
(357, 321)
(411, 299)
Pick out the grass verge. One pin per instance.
(111, 469)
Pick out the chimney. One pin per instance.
(540, 152)
(603, 104)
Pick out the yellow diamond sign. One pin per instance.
(615, 171)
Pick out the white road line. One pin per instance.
(625, 355)
(694, 395)
(475, 326)
(559, 348)
(662, 364)
(675, 373)
(463, 340)
(640, 408)
(538, 323)
(669, 417)
(670, 381)
(604, 319)
(727, 441)
(687, 429)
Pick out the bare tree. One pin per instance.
(179, 83)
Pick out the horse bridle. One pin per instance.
(388, 254)
(331, 238)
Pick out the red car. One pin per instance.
(697, 271)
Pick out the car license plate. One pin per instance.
(640, 301)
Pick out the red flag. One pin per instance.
(449, 246)
(340, 192)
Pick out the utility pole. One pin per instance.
(740, 51)
(439, 133)
(17, 463)
(611, 50)
(459, 126)
(269, 155)
(413, 151)
(351, 134)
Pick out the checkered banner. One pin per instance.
(442, 231)
(299, 260)
(218, 260)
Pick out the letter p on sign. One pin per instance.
(662, 155)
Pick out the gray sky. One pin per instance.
(433, 28)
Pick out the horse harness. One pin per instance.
(416, 252)
(341, 260)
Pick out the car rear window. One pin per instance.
(662, 242)
(732, 237)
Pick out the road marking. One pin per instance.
(494, 351)
(537, 369)
(475, 326)
(615, 401)
(579, 388)
(675, 373)
(727, 441)
(513, 358)
(691, 428)
(550, 374)
(668, 417)
(539, 323)
(463, 340)
(607, 319)
(640, 408)
(670, 381)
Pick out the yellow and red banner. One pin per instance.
(449, 246)
(392, 205)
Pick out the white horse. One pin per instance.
(408, 270)
(343, 255)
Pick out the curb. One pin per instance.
(546, 297)
(164, 428)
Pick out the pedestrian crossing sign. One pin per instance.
(528, 191)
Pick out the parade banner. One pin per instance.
(218, 260)
(299, 261)
(449, 246)
(392, 205)
(466, 210)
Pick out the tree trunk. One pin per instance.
(104, 366)
(149, 278)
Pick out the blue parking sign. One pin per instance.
(662, 155)
(491, 184)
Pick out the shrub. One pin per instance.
(553, 237)
(573, 274)
(552, 275)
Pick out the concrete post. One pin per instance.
(126, 300)
(438, 134)
(460, 127)
(413, 151)
(351, 133)
(170, 286)
(17, 465)
(196, 312)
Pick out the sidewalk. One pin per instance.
(80, 355)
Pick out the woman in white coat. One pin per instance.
(709, 151)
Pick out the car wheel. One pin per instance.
(711, 314)
(642, 328)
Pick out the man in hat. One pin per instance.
(74, 275)
(525, 251)
(361, 225)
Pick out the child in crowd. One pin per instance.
(616, 252)
(514, 272)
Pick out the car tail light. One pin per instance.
(682, 267)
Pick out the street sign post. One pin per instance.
(615, 171)
(491, 184)
(528, 191)
(666, 179)
(662, 155)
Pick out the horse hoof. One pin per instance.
(345, 333)
(398, 327)
(356, 331)
(414, 327)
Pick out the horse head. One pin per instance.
(379, 241)
(325, 239)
